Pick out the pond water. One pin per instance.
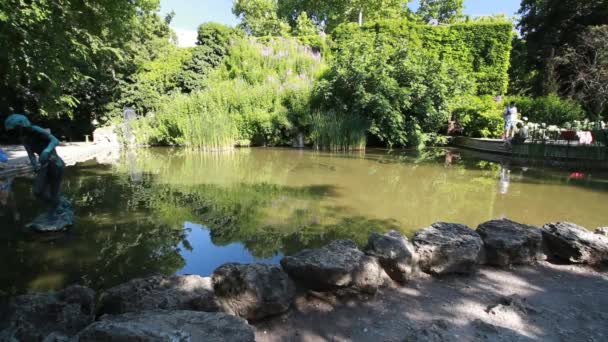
(172, 211)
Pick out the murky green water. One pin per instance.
(173, 211)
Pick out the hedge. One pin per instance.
(481, 48)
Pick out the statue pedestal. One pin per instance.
(62, 218)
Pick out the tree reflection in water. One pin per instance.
(270, 202)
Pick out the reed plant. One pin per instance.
(338, 132)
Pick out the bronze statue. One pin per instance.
(48, 167)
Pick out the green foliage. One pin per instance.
(330, 14)
(521, 76)
(157, 77)
(338, 132)
(198, 120)
(260, 18)
(444, 11)
(481, 49)
(217, 37)
(479, 117)
(403, 78)
(305, 26)
(589, 65)
(549, 25)
(53, 55)
(213, 43)
(551, 110)
(258, 96)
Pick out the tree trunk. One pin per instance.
(361, 17)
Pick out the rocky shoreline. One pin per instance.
(336, 287)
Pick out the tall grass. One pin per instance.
(198, 120)
(254, 98)
(335, 132)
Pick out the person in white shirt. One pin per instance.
(510, 116)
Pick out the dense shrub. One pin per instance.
(160, 76)
(479, 116)
(213, 43)
(404, 86)
(551, 110)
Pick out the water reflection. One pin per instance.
(133, 217)
(204, 255)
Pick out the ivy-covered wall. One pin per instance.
(482, 49)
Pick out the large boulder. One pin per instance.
(510, 243)
(569, 242)
(162, 325)
(253, 291)
(188, 292)
(445, 248)
(338, 265)
(395, 253)
(50, 316)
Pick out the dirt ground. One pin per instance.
(544, 302)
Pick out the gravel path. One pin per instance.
(543, 302)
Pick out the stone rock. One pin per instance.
(395, 253)
(162, 325)
(509, 305)
(253, 291)
(188, 292)
(336, 266)
(62, 219)
(510, 243)
(569, 242)
(51, 316)
(602, 231)
(445, 248)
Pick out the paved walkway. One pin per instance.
(71, 153)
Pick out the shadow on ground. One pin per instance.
(544, 302)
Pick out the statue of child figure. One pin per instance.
(49, 172)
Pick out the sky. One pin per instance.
(191, 13)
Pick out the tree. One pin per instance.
(547, 26)
(49, 49)
(260, 18)
(589, 62)
(305, 26)
(444, 11)
(521, 76)
(330, 14)
(212, 45)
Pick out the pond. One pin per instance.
(173, 211)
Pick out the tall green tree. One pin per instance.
(547, 26)
(212, 45)
(260, 17)
(331, 13)
(305, 26)
(54, 54)
(444, 11)
(589, 62)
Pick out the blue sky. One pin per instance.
(191, 13)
